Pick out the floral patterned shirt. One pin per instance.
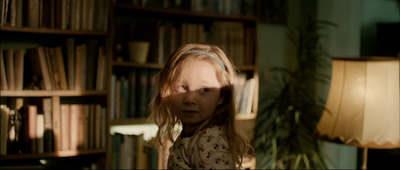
(207, 150)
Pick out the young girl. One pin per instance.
(195, 89)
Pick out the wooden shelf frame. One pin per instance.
(136, 65)
(51, 31)
(50, 93)
(160, 66)
(183, 13)
(60, 154)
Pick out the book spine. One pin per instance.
(5, 115)
(97, 126)
(33, 13)
(75, 111)
(142, 92)
(85, 129)
(31, 112)
(124, 97)
(117, 98)
(9, 56)
(48, 125)
(19, 69)
(132, 94)
(39, 133)
(101, 65)
(70, 51)
(44, 68)
(61, 68)
(57, 123)
(112, 96)
(65, 129)
(4, 82)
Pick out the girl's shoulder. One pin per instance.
(212, 134)
(206, 135)
(213, 130)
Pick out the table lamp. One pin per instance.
(362, 108)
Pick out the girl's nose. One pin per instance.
(189, 98)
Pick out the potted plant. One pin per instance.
(290, 110)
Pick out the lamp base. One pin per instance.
(364, 158)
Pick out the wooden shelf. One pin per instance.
(70, 153)
(182, 13)
(48, 93)
(159, 66)
(135, 65)
(51, 31)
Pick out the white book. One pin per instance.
(238, 85)
(250, 97)
(247, 98)
(65, 125)
(39, 133)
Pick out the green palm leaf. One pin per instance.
(290, 110)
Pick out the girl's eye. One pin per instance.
(203, 90)
(181, 88)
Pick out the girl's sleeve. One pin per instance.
(213, 152)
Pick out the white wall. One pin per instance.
(373, 12)
(274, 48)
(343, 40)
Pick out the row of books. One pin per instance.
(74, 67)
(88, 15)
(244, 91)
(12, 69)
(130, 151)
(86, 128)
(40, 128)
(131, 93)
(233, 37)
(236, 39)
(228, 7)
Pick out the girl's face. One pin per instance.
(195, 94)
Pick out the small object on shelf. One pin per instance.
(138, 51)
(14, 127)
(35, 84)
(118, 53)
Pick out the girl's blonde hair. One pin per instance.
(225, 113)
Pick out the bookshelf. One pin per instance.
(167, 25)
(54, 57)
(38, 27)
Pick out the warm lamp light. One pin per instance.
(362, 108)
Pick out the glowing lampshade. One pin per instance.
(362, 108)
